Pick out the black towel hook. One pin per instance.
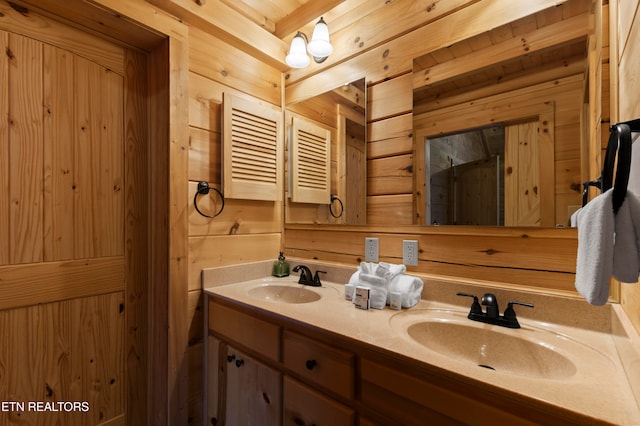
(620, 143)
(203, 188)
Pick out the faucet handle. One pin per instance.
(316, 278)
(510, 312)
(475, 306)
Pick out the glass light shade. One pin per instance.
(319, 46)
(297, 57)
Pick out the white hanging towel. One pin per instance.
(596, 227)
(626, 255)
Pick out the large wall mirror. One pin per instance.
(340, 114)
(499, 130)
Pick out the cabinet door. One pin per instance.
(252, 392)
(213, 378)
(305, 407)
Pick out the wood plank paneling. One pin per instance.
(56, 352)
(25, 149)
(209, 251)
(178, 286)
(525, 257)
(390, 175)
(392, 136)
(389, 98)
(629, 44)
(59, 167)
(396, 56)
(204, 156)
(385, 209)
(238, 216)
(49, 31)
(98, 180)
(232, 67)
(4, 152)
(136, 237)
(23, 285)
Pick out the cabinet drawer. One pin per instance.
(321, 364)
(304, 406)
(409, 399)
(256, 334)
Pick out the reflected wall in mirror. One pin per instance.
(341, 112)
(464, 183)
(536, 91)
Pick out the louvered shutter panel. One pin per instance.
(310, 163)
(252, 149)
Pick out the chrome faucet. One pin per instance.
(306, 277)
(492, 313)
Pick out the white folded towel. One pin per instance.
(378, 287)
(367, 267)
(390, 270)
(626, 248)
(409, 286)
(595, 249)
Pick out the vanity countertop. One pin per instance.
(599, 389)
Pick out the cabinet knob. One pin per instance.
(230, 358)
(311, 363)
(239, 363)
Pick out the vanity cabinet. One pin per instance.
(252, 391)
(321, 365)
(304, 406)
(277, 377)
(242, 390)
(263, 365)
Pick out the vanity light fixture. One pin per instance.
(319, 47)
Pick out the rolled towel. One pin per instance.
(378, 287)
(626, 251)
(595, 249)
(409, 286)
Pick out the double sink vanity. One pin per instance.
(282, 353)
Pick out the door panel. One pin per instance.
(66, 280)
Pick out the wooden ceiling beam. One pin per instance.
(300, 17)
(557, 34)
(228, 25)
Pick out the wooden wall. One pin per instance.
(625, 42)
(246, 230)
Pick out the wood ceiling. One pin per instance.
(264, 28)
(484, 59)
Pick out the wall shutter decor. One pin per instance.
(252, 149)
(310, 163)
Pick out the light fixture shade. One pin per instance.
(319, 46)
(297, 57)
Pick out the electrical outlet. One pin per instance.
(371, 249)
(410, 252)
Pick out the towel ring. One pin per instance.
(620, 143)
(203, 188)
(335, 198)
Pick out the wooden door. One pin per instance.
(522, 175)
(72, 215)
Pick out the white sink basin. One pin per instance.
(528, 351)
(284, 293)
